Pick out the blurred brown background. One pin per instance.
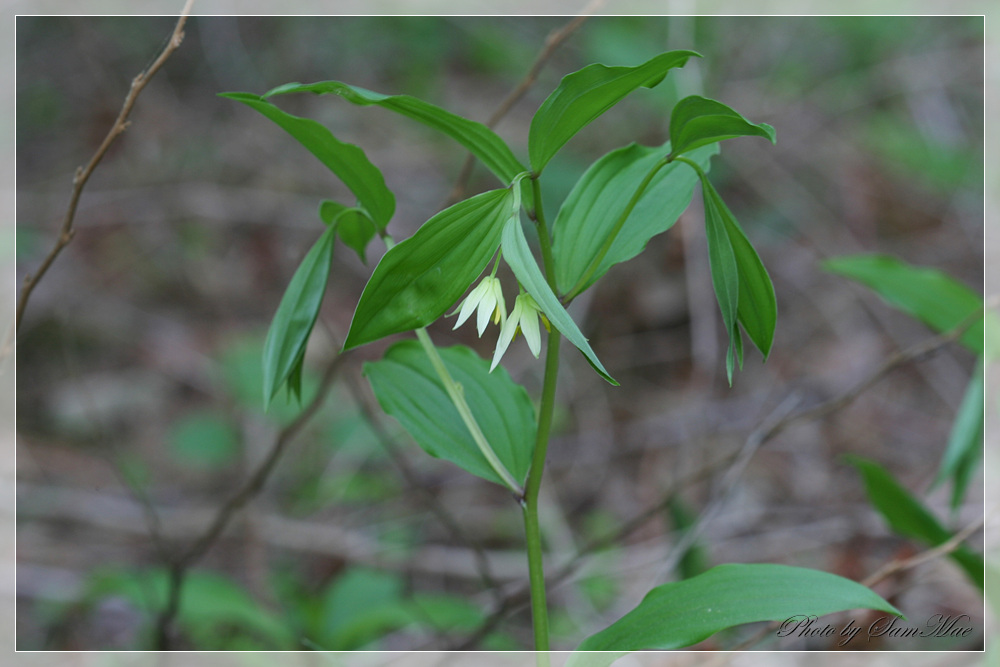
(138, 359)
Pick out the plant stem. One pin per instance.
(548, 261)
(457, 397)
(539, 610)
(533, 536)
(581, 284)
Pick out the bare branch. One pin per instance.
(83, 174)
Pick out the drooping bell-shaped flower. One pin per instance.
(487, 300)
(523, 318)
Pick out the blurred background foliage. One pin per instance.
(139, 360)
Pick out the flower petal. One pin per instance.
(507, 333)
(486, 305)
(529, 327)
(469, 305)
(501, 309)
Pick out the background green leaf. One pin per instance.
(908, 517)
(347, 161)
(699, 121)
(933, 297)
(517, 254)
(296, 315)
(478, 139)
(209, 604)
(965, 442)
(683, 613)
(204, 439)
(419, 278)
(358, 607)
(588, 214)
(408, 388)
(584, 95)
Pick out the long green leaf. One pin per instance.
(584, 95)
(517, 254)
(589, 212)
(478, 139)
(699, 121)
(965, 442)
(686, 612)
(295, 317)
(409, 389)
(908, 517)
(347, 161)
(757, 307)
(419, 278)
(933, 297)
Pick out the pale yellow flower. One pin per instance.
(524, 317)
(487, 300)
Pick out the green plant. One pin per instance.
(460, 407)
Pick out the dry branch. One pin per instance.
(83, 173)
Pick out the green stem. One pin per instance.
(533, 536)
(539, 609)
(689, 162)
(548, 260)
(457, 397)
(584, 280)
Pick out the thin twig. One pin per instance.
(552, 42)
(943, 549)
(250, 488)
(83, 174)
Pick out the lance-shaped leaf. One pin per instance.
(409, 389)
(517, 254)
(933, 297)
(478, 139)
(686, 612)
(699, 121)
(965, 442)
(588, 215)
(419, 278)
(354, 226)
(756, 305)
(584, 95)
(347, 161)
(294, 320)
(907, 516)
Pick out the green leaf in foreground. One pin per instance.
(698, 121)
(586, 94)
(517, 254)
(965, 442)
(933, 297)
(756, 307)
(686, 612)
(354, 226)
(589, 213)
(408, 389)
(908, 517)
(419, 278)
(296, 315)
(347, 161)
(478, 139)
